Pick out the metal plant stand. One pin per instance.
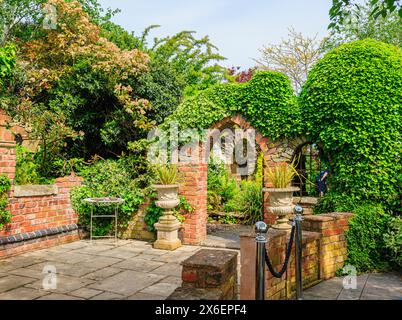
(104, 201)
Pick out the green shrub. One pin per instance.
(108, 178)
(365, 238)
(333, 202)
(351, 103)
(393, 242)
(5, 186)
(252, 201)
(27, 168)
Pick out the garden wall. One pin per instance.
(42, 216)
(323, 253)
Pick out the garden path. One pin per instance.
(373, 286)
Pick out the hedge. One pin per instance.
(351, 103)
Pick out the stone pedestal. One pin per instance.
(167, 235)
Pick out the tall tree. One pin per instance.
(363, 25)
(343, 11)
(293, 57)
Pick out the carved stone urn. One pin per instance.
(281, 205)
(167, 227)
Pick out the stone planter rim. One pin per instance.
(165, 186)
(288, 189)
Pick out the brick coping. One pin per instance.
(37, 234)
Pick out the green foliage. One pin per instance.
(228, 219)
(152, 215)
(153, 212)
(267, 102)
(333, 202)
(365, 238)
(195, 60)
(5, 186)
(352, 104)
(393, 242)
(252, 201)
(27, 170)
(374, 238)
(365, 26)
(109, 178)
(345, 11)
(7, 62)
(180, 65)
(167, 174)
(281, 175)
(226, 194)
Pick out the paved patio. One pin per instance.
(102, 270)
(133, 270)
(373, 286)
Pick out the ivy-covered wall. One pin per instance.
(267, 102)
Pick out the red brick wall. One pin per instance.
(42, 212)
(34, 213)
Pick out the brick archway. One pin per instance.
(195, 175)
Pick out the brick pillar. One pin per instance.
(333, 249)
(7, 148)
(208, 275)
(194, 189)
(65, 185)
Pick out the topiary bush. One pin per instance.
(267, 101)
(352, 104)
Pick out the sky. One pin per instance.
(238, 28)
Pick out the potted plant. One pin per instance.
(167, 189)
(167, 186)
(281, 193)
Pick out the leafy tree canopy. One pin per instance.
(343, 11)
(364, 25)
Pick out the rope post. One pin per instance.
(261, 230)
(298, 251)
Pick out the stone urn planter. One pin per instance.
(281, 205)
(167, 227)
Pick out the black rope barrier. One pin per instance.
(287, 257)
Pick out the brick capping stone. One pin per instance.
(37, 234)
(35, 190)
(208, 274)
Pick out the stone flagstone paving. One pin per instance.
(374, 286)
(103, 270)
(133, 270)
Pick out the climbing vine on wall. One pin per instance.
(5, 186)
(267, 102)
